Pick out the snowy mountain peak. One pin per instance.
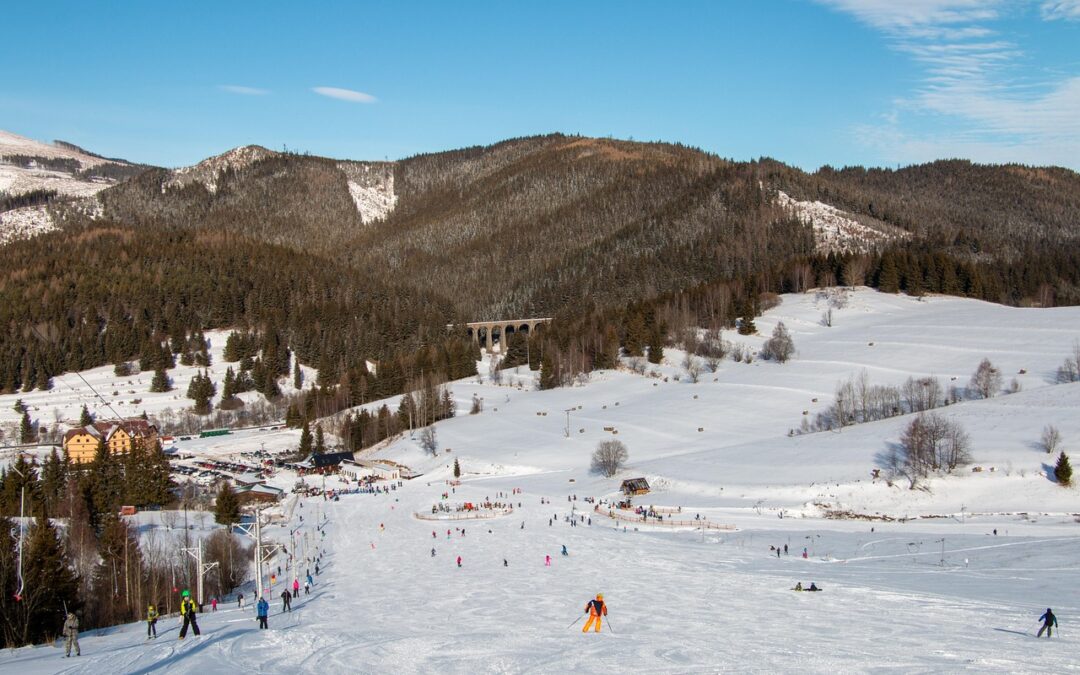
(208, 170)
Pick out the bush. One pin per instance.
(779, 347)
(609, 457)
(1051, 439)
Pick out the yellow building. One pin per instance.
(81, 444)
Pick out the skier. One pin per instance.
(296, 588)
(1049, 623)
(213, 604)
(459, 561)
(240, 601)
(547, 561)
(316, 568)
(785, 549)
(564, 552)
(433, 534)
(151, 621)
(71, 635)
(595, 609)
(262, 609)
(432, 551)
(286, 601)
(505, 563)
(187, 611)
(307, 588)
(804, 553)
(309, 581)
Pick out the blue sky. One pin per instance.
(809, 82)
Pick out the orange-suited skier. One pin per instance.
(595, 609)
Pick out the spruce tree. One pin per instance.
(227, 505)
(85, 418)
(161, 381)
(457, 469)
(889, 277)
(656, 345)
(293, 419)
(305, 440)
(1063, 470)
(320, 440)
(548, 378)
(297, 375)
(27, 430)
(50, 585)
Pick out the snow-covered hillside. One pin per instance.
(836, 230)
(955, 583)
(207, 171)
(372, 188)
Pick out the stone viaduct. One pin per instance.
(487, 333)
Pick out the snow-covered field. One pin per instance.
(934, 591)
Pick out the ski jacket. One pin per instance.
(596, 608)
(263, 608)
(151, 613)
(1049, 619)
(187, 607)
(71, 625)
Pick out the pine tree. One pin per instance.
(49, 584)
(457, 469)
(27, 430)
(305, 440)
(20, 407)
(158, 481)
(161, 381)
(85, 418)
(293, 419)
(889, 277)
(53, 481)
(201, 390)
(320, 440)
(227, 505)
(298, 375)
(747, 325)
(1063, 470)
(548, 378)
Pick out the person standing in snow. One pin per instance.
(595, 609)
(459, 561)
(262, 610)
(1049, 623)
(213, 604)
(547, 561)
(564, 551)
(295, 588)
(151, 621)
(286, 601)
(307, 588)
(71, 635)
(240, 601)
(188, 608)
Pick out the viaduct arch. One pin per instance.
(487, 333)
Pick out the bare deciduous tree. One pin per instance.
(1051, 439)
(692, 367)
(609, 457)
(780, 346)
(986, 380)
(428, 441)
(929, 443)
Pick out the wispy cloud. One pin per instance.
(1056, 10)
(242, 90)
(345, 94)
(991, 105)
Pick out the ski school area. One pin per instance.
(494, 593)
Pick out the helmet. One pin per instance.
(599, 596)
(185, 594)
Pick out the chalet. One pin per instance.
(81, 443)
(635, 486)
(263, 494)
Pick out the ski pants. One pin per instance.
(151, 627)
(592, 618)
(262, 623)
(71, 641)
(1046, 627)
(189, 618)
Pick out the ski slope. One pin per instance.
(931, 589)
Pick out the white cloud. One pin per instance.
(245, 91)
(989, 103)
(345, 94)
(1054, 10)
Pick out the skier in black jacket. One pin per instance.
(1049, 623)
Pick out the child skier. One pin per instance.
(71, 635)
(188, 608)
(151, 621)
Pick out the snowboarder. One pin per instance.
(813, 587)
(151, 621)
(187, 611)
(595, 609)
(564, 552)
(286, 601)
(459, 561)
(262, 609)
(71, 635)
(798, 586)
(1049, 623)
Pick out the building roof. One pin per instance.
(250, 478)
(260, 489)
(635, 484)
(329, 459)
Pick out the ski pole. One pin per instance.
(610, 627)
(575, 621)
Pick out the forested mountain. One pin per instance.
(346, 261)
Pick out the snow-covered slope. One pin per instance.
(954, 585)
(372, 188)
(837, 231)
(27, 165)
